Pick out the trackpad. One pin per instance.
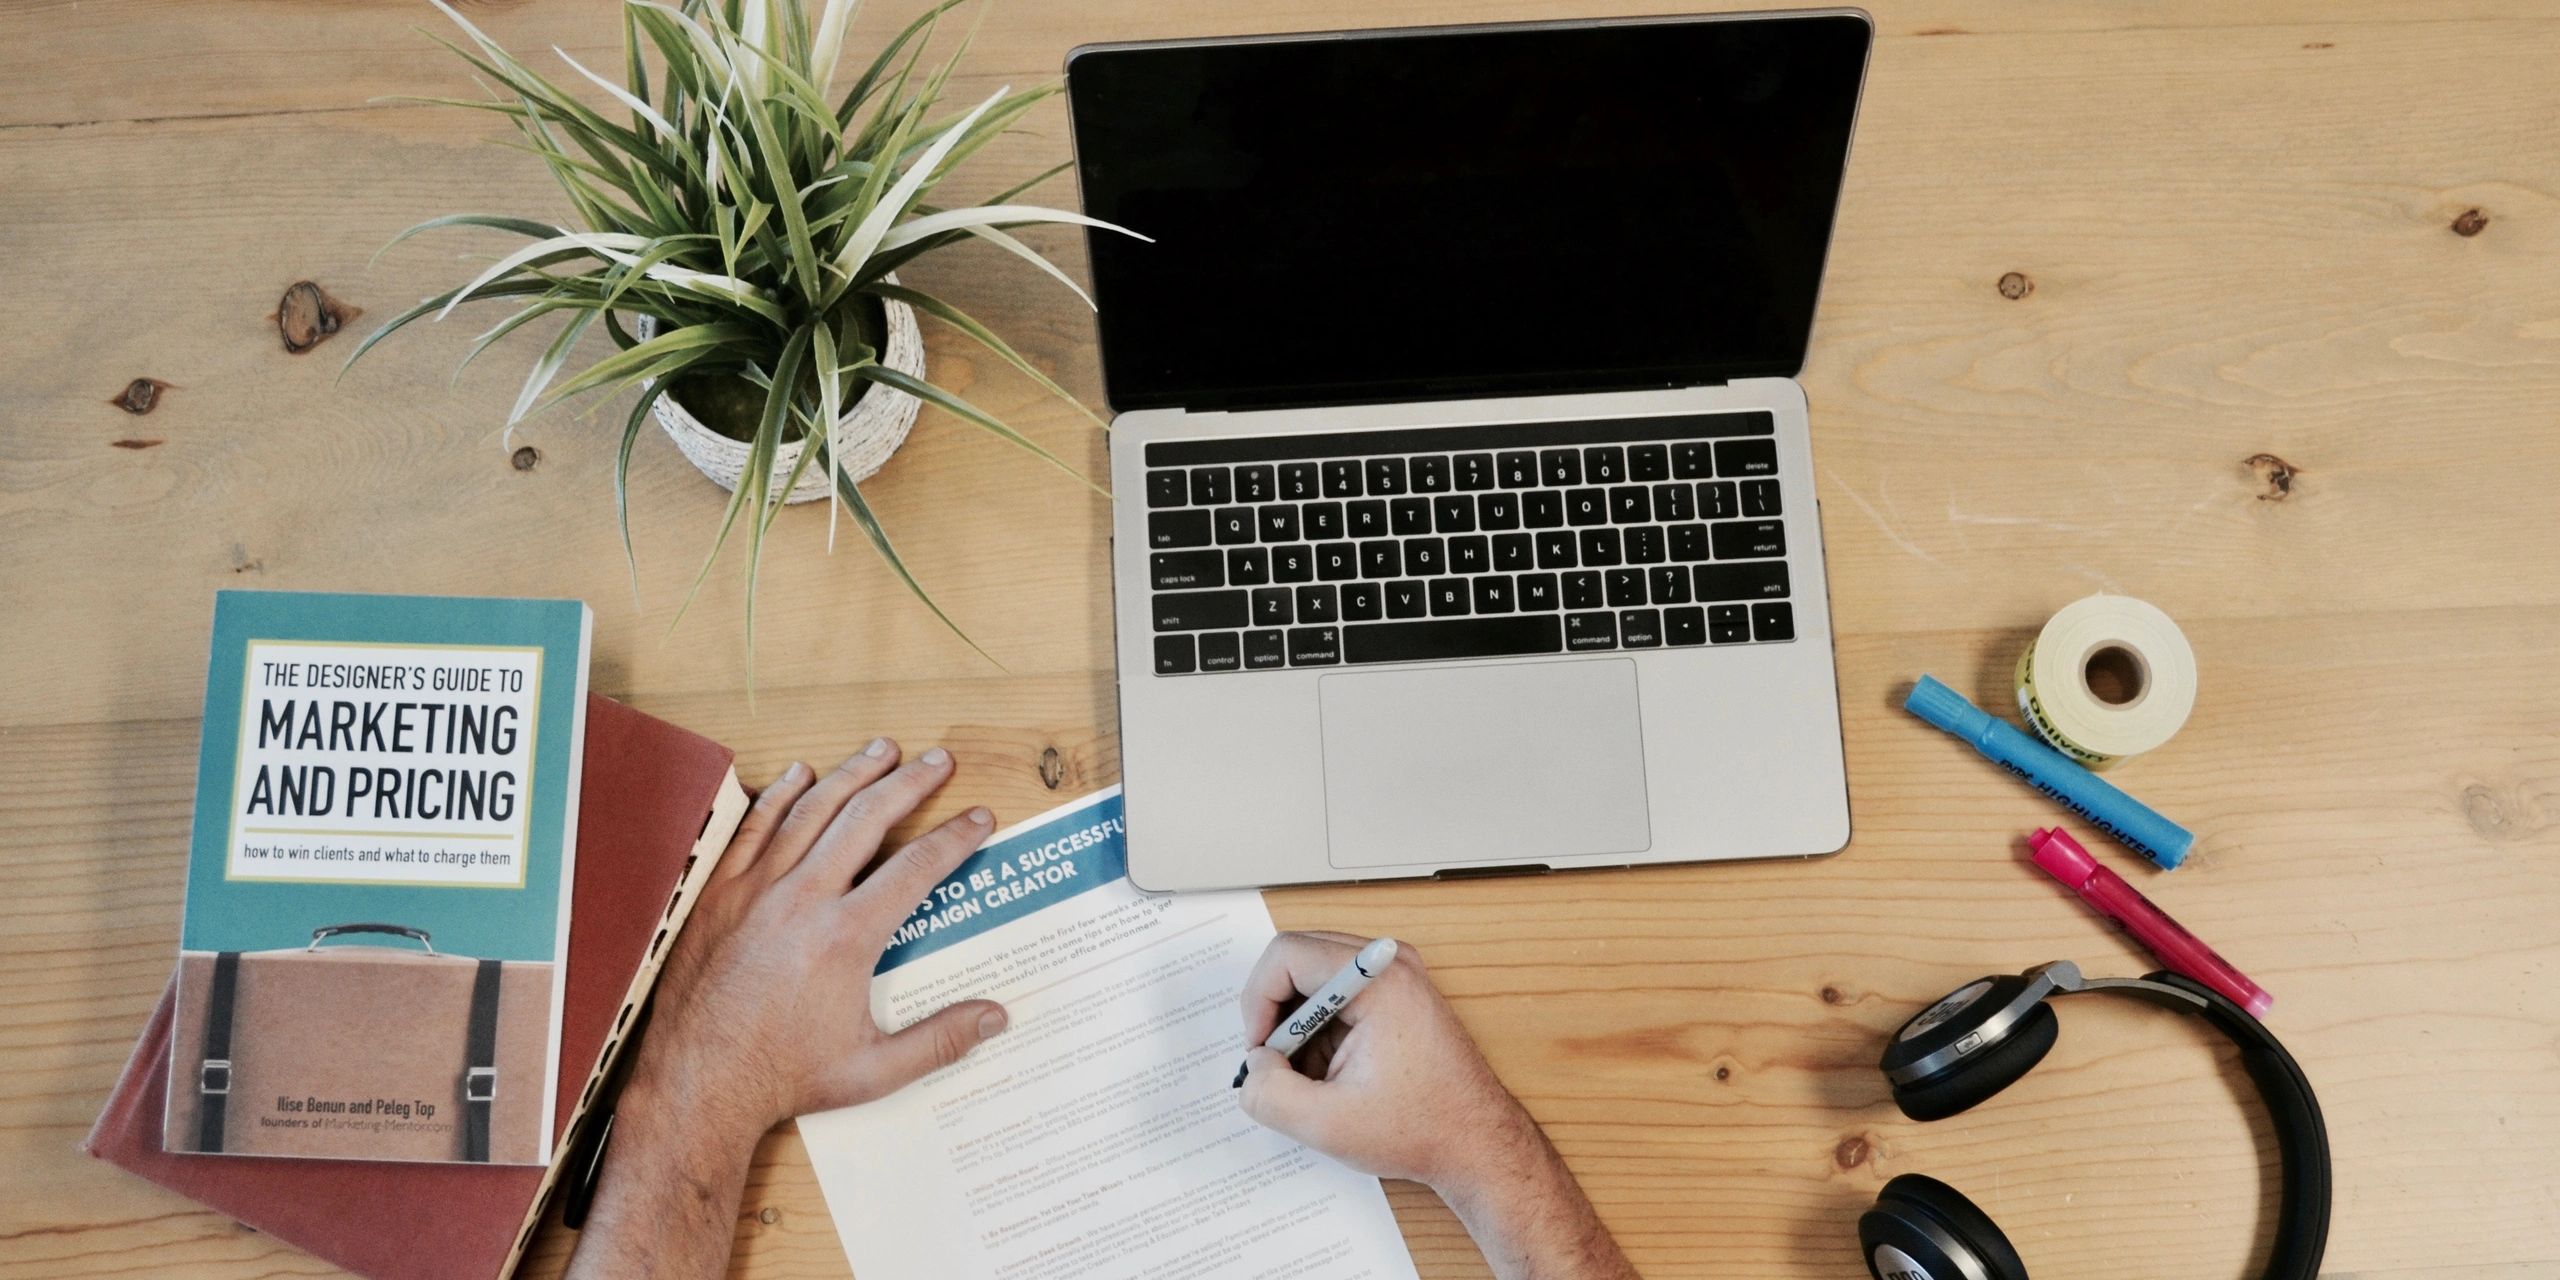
(1484, 764)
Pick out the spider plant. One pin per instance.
(754, 214)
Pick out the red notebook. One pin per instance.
(656, 807)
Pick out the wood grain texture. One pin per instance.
(2328, 233)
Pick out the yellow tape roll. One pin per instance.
(2108, 677)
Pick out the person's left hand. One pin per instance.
(764, 1011)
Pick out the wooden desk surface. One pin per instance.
(2091, 260)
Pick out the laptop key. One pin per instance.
(1715, 500)
(1271, 607)
(1407, 599)
(1220, 651)
(1342, 478)
(1674, 502)
(1176, 656)
(1255, 484)
(1749, 539)
(1512, 552)
(1278, 522)
(1321, 520)
(1640, 628)
(1500, 636)
(1454, 514)
(1759, 497)
(1590, 631)
(1689, 542)
(1746, 457)
(1233, 525)
(1386, 477)
(1315, 646)
(1166, 489)
(1336, 562)
(1600, 547)
(1474, 471)
(1248, 566)
(1555, 549)
(1630, 504)
(1317, 603)
(1644, 543)
(1470, 554)
(1542, 509)
(1425, 557)
(1498, 511)
(1167, 530)
(1264, 650)
(1775, 620)
(1409, 516)
(1448, 597)
(1648, 462)
(1198, 610)
(1586, 507)
(1625, 587)
(1537, 592)
(1363, 601)
(1582, 590)
(1517, 469)
(1430, 475)
(1685, 626)
(1560, 467)
(1692, 460)
(1728, 623)
(1293, 564)
(1211, 486)
(1605, 464)
(1667, 584)
(1298, 482)
(1368, 519)
(1181, 570)
(1383, 558)
(1741, 581)
(1493, 594)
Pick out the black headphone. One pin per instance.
(1978, 1041)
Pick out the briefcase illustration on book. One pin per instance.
(361, 1052)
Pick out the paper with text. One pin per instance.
(1097, 1137)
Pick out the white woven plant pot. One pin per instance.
(873, 429)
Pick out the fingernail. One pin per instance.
(793, 771)
(980, 817)
(991, 1023)
(879, 747)
(937, 757)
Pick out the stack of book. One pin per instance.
(431, 881)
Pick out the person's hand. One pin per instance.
(1393, 1086)
(764, 1011)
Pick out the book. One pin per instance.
(378, 883)
(658, 806)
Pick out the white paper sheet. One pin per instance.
(1097, 1137)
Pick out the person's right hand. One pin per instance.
(1394, 1086)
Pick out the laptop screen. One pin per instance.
(1465, 211)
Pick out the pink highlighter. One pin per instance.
(2179, 951)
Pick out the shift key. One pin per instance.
(1199, 610)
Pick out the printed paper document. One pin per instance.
(1097, 1137)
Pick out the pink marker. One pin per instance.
(2179, 951)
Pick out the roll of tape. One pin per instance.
(2108, 677)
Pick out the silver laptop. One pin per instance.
(1464, 516)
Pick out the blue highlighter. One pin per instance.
(2129, 821)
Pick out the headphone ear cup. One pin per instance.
(1988, 1071)
(1913, 1194)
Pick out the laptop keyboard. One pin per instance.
(1445, 543)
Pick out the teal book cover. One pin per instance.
(377, 909)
